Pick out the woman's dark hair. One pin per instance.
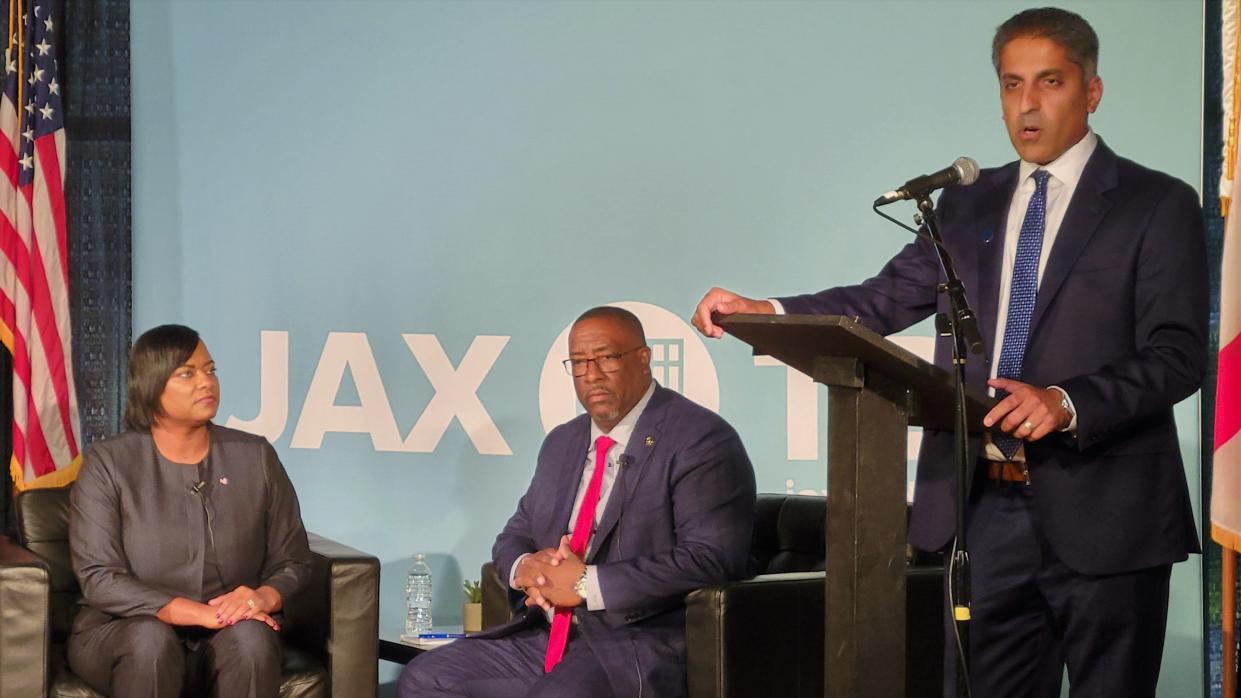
(153, 358)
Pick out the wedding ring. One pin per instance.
(250, 603)
(1028, 425)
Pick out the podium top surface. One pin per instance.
(800, 340)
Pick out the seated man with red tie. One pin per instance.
(642, 499)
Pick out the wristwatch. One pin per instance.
(580, 586)
(1066, 406)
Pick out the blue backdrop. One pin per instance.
(383, 215)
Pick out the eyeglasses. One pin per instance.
(608, 363)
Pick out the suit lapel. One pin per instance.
(1086, 211)
(646, 434)
(992, 222)
(574, 459)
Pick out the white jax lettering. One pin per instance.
(456, 394)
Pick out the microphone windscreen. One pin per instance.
(967, 168)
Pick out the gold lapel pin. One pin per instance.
(650, 441)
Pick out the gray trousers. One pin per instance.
(505, 667)
(143, 657)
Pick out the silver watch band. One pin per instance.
(580, 585)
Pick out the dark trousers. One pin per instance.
(143, 656)
(505, 667)
(1032, 616)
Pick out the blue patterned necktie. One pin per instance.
(1022, 294)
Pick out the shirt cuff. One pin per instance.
(594, 595)
(1072, 427)
(512, 573)
(779, 307)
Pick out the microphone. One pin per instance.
(963, 171)
(198, 487)
(624, 460)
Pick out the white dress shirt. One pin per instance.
(1066, 172)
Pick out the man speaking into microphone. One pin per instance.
(1088, 276)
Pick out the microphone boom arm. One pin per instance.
(963, 326)
(962, 316)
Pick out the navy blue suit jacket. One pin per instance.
(679, 517)
(1120, 323)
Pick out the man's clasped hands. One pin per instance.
(548, 577)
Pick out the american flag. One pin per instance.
(34, 259)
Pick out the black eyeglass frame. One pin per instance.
(571, 365)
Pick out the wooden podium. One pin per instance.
(875, 390)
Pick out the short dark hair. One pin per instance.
(624, 317)
(153, 358)
(1066, 28)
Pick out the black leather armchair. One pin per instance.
(764, 636)
(331, 628)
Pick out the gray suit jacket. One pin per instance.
(137, 533)
(680, 517)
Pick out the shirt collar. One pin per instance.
(624, 428)
(1067, 168)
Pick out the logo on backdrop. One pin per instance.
(679, 361)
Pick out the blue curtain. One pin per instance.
(1212, 162)
(94, 74)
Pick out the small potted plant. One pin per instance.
(473, 613)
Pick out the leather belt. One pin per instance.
(1008, 472)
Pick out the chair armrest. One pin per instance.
(760, 636)
(497, 608)
(25, 621)
(764, 636)
(336, 616)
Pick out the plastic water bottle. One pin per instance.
(418, 597)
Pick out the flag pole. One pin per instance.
(21, 68)
(1228, 621)
(1228, 554)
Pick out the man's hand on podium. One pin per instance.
(724, 302)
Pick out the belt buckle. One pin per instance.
(1005, 472)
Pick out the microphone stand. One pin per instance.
(962, 324)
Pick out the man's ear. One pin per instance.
(1094, 93)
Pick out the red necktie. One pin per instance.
(581, 536)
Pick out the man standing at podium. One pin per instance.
(1088, 276)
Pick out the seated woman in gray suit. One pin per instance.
(186, 539)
